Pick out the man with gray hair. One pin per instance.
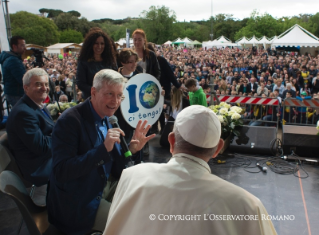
(87, 159)
(289, 88)
(188, 198)
(29, 129)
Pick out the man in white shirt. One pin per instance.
(182, 196)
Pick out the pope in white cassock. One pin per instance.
(182, 196)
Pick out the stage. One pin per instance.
(282, 195)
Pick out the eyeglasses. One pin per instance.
(110, 95)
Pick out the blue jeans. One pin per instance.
(12, 99)
(255, 123)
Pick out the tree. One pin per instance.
(54, 13)
(158, 23)
(68, 21)
(34, 29)
(71, 36)
(75, 13)
(44, 10)
(260, 25)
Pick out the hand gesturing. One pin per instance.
(139, 138)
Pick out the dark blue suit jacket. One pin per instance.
(78, 176)
(29, 135)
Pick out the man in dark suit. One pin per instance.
(252, 86)
(29, 129)
(87, 159)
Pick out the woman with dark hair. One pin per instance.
(148, 61)
(177, 103)
(97, 53)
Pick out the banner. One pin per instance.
(128, 38)
(143, 100)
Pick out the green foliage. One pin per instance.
(117, 22)
(44, 10)
(69, 21)
(118, 31)
(71, 36)
(53, 13)
(158, 23)
(260, 25)
(34, 29)
(75, 13)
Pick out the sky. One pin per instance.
(184, 9)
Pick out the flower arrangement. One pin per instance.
(55, 110)
(229, 117)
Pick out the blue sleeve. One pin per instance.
(16, 68)
(298, 98)
(68, 164)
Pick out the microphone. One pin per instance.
(290, 157)
(125, 150)
(262, 168)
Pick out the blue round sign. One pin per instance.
(149, 94)
(143, 99)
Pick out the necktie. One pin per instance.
(46, 114)
(103, 128)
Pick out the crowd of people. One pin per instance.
(238, 72)
(80, 157)
(231, 71)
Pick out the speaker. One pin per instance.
(303, 140)
(254, 139)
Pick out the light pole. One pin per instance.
(211, 19)
(8, 24)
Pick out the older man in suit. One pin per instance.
(29, 129)
(252, 86)
(87, 159)
(186, 198)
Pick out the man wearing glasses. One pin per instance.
(87, 159)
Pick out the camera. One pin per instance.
(38, 54)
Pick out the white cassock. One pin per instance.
(186, 199)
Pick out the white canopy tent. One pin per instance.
(296, 36)
(217, 44)
(265, 41)
(186, 40)
(178, 40)
(273, 38)
(223, 39)
(243, 41)
(207, 43)
(253, 41)
(168, 42)
(122, 41)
